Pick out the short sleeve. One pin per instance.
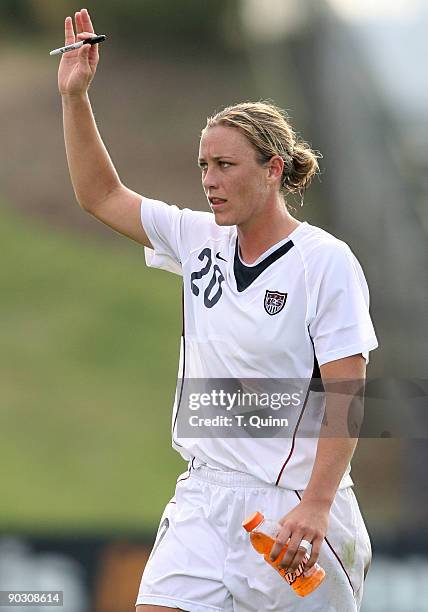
(341, 325)
(162, 224)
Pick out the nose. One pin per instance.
(209, 179)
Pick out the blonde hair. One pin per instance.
(268, 129)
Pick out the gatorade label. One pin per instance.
(292, 576)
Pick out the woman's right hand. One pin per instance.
(77, 68)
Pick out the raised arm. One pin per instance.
(96, 183)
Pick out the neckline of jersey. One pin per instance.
(271, 249)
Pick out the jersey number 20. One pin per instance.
(216, 279)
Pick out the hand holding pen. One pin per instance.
(78, 65)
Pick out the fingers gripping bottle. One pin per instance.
(263, 532)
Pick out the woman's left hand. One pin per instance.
(307, 521)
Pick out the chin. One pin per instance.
(223, 219)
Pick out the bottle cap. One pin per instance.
(252, 521)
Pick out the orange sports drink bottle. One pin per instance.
(262, 535)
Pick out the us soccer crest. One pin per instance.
(274, 302)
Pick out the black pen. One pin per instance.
(88, 41)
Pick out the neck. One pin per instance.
(261, 232)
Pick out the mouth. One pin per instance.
(216, 203)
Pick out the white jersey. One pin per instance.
(302, 304)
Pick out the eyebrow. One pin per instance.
(216, 157)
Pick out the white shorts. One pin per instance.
(203, 561)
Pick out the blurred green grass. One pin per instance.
(88, 362)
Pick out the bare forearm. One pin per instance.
(332, 459)
(344, 391)
(91, 169)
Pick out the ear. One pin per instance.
(275, 167)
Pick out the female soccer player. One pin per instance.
(266, 298)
